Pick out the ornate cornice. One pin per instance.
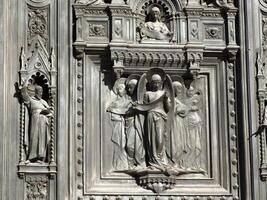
(148, 57)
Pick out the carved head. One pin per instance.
(121, 90)
(155, 13)
(38, 92)
(156, 82)
(190, 92)
(131, 86)
(178, 88)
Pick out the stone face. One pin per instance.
(134, 99)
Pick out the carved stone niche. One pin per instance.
(36, 93)
(158, 21)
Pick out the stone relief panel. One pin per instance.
(36, 188)
(167, 150)
(214, 32)
(97, 29)
(38, 25)
(145, 107)
(152, 131)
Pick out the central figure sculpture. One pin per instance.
(156, 103)
(154, 28)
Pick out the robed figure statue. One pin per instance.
(156, 103)
(118, 109)
(39, 126)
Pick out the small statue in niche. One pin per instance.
(154, 28)
(134, 122)
(157, 104)
(118, 108)
(194, 130)
(39, 134)
(179, 131)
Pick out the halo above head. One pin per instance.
(38, 87)
(177, 84)
(158, 72)
(117, 83)
(159, 7)
(132, 79)
(156, 77)
(178, 78)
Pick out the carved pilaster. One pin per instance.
(194, 23)
(121, 24)
(231, 16)
(262, 99)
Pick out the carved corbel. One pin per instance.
(194, 60)
(118, 68)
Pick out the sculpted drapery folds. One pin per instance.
(134, 128)
(37, 140)
(156, 104)
(156, 124)
(118, 109)
(194, 130)
(179, 126)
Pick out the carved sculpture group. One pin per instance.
(156, 124)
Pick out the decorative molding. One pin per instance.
(89, 10)
(118, 11)
(232, 126)
(89, 2)
(141, 57)
(168, 6)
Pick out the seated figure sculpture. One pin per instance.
(155, 29)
